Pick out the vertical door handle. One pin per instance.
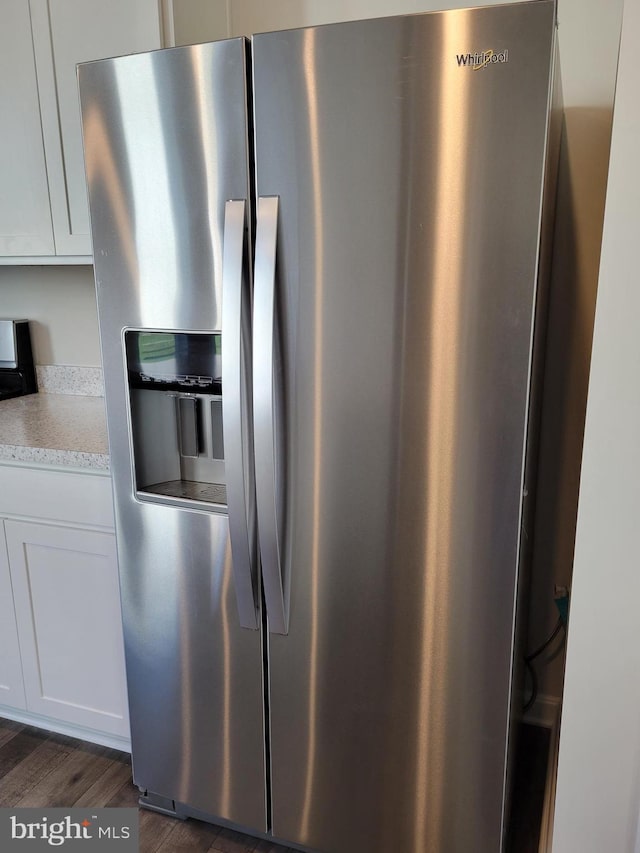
(236, 412)
(268, 488)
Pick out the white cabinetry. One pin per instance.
(25, 220)
(61, 647)
(43, 201)
(66, 32)
(11, 684)
(65, 591)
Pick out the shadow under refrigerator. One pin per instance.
(319, 271)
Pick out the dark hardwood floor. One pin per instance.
(40, 769)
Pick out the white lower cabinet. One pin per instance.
(44, 217)
(11, 684)
(65, 591)
(61, 645)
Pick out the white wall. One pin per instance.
(255, 16)
(589, 38)
(598, 790)
(60, 301)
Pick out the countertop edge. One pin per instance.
(44, 456)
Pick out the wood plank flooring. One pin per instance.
(40, 769)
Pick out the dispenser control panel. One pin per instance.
(176, 361)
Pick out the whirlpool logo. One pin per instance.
(482, 59)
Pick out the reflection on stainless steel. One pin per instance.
(264, 406)
(166, 138)
(308, 63)
(227, 768)
(235, 364)
(441, 415)
(398, 205)
(152, 210)
(102, 172)
(409, 196)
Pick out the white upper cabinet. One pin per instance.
(66, 32)
(25, 219)
(44, 215)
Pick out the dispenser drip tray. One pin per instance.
(212, 493)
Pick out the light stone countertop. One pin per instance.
(54, 429)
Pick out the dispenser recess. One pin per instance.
(175, 403)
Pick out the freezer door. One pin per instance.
(406, 156)
(166, 146)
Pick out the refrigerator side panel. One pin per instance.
(408, 157)
(165, 146)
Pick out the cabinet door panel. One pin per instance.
(65, 585)
(66, 32)
(25, 218)
(11, 689)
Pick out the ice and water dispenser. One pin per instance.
(175, 392)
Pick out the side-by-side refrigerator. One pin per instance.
(321, 297)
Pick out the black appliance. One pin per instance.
(17, 371)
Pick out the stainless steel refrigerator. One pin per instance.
(320, 259)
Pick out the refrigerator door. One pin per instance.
(166, 141)
(407, 156)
